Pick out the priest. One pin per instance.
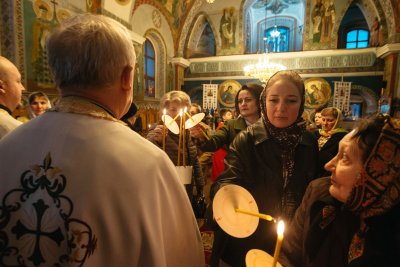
(78, 187)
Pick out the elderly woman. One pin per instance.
(328, 137)
(172, 102)
(353, 217)
(274, 159)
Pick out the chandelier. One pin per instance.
(275, 33)
(210, 1)
(263, 70)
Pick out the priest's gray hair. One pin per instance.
(180, 97)
(89, 51)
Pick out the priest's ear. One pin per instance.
(127, 78)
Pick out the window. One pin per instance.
(149, 69)
(279, 43)
(357, 38)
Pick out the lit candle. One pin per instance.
(205, 135)
(180, 137)
(149, 126)
(281, 227)
(163, 132)
(183, 136)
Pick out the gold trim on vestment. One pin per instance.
(83, 106)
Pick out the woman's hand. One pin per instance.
(159, 131)
(197, 132)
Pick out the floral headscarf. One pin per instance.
(378, 188)
(288, 138)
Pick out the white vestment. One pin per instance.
(78, 186)
(7, 123)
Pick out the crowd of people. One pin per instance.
(80, 186)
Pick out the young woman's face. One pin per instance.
(327, 122)
(247, 104)
(283, 103)
(39, 105)
(345, 167)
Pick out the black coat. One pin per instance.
(328, 151)
(310, 241)
(254, 162)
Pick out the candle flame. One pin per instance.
(181, 112)
(281, 228)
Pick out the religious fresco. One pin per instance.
(317, 91)
(227, 28)
(177, 10)
(227, 92)
(275, 6)
(323, 18)
(40, 19)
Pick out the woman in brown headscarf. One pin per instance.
(353, 217)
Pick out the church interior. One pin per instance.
(346, 51)
(186, 44)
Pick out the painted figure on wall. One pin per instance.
(314, 95)
(42, 26)
(178, 10)
(228, 96)
(316, 16)
(227, 28)
(327, 22)
(374, 33)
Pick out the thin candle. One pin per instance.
(180, 137)
(281, 228)
(163, 132)
(188, 114)
(205, 135)
(259, 215)
(183, 136)
(170, 123)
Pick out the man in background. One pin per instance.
(10, 95)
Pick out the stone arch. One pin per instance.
(369, 98)
(371, 9)
(197, 28)
(242, 24)
(187, 27)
